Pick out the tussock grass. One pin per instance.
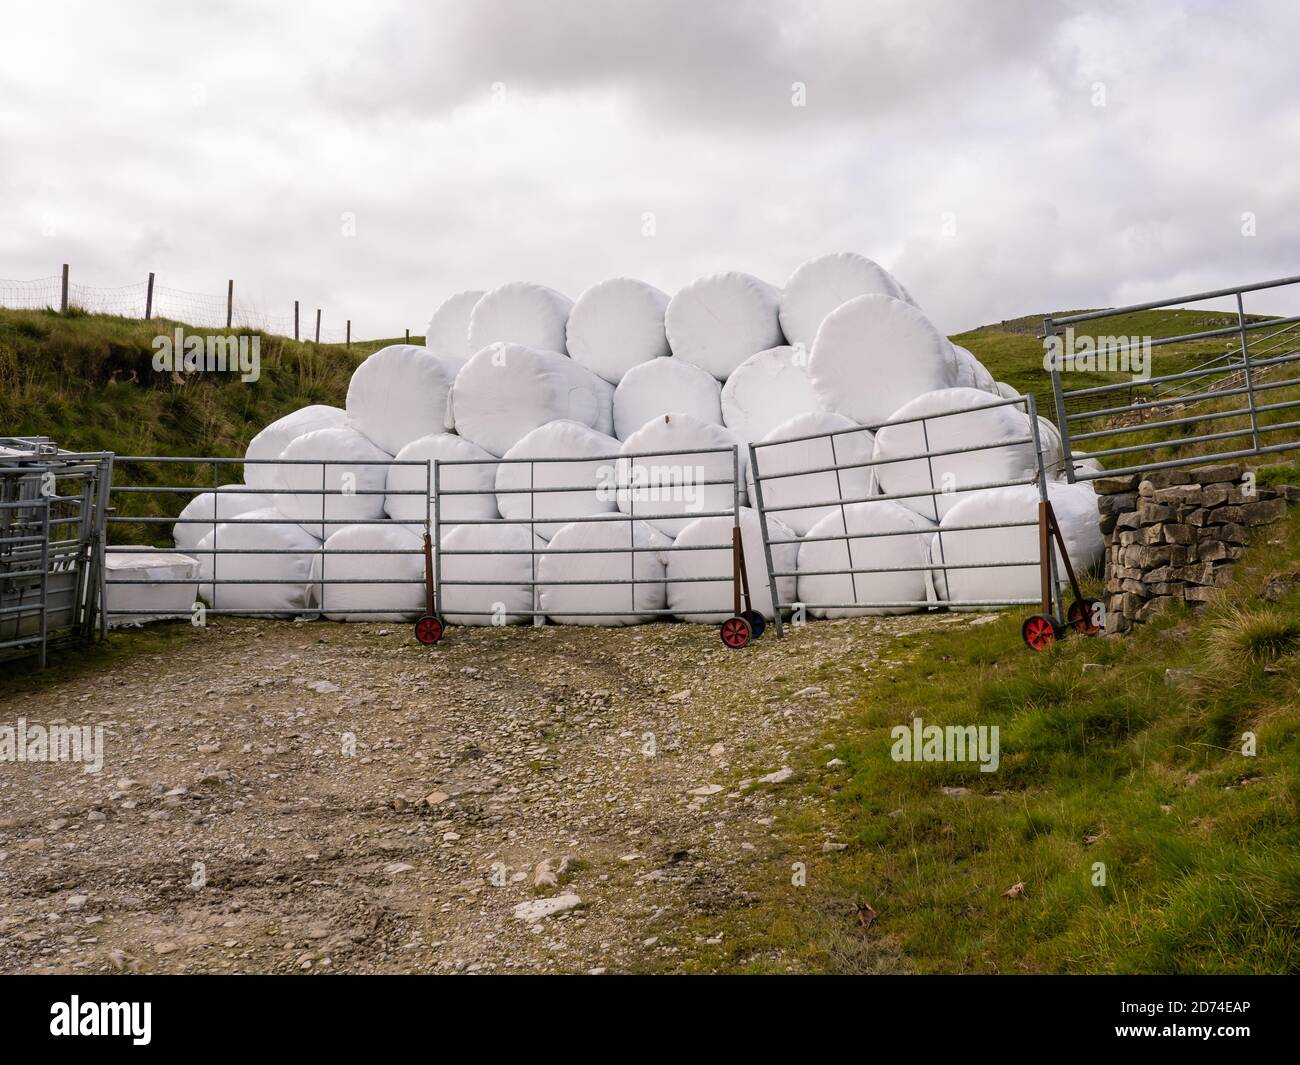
(1244, 638)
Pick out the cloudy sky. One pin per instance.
(371, 158)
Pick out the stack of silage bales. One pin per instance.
(812, 373)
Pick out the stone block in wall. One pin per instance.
(1166, 588)
(1107, 486)
(1217, 550)
(1264, 512)
(1196, 573)
(1189, 494)
(1178, 534)
(1219, 474)
(1164, 479)
(1214, 496)
(1148, 511)
(1233, 533)
(1116, 503)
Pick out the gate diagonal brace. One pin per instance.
(1084, 615)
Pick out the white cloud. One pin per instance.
(228, 140)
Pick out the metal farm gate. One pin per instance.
(1249, 395)
(199, 482)
(446, 593)
(1039, 630)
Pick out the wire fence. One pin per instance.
(149, 300)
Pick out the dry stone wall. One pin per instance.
(1173, 536)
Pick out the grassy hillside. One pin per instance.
(88, 382)
(1103, 760)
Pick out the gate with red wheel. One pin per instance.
(886, 519)
(654, 495)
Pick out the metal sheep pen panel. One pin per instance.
(1051, 597)
(217, 551)
(52, 508)
(1243, 372)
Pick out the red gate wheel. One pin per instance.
(1083, 616)
(757, 623)
(428, 630)
(736, 633)
(1039, 632)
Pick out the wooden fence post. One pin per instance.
(63, 307)
(230, 302)
(408, 336)
(317, 325)
(148, 299)
(295, 319)
(349, 340)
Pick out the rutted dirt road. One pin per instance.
(320, 797)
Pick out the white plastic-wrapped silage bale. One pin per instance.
(1085, 463)
(507, 390)
(202, 512)
(1005, 390)
(523, 488)
(820, 285)
(765, 390)
(336, 474)
(520, 312)
(949, 420)
(884, 535)
(260, 546)
(971, 373)
(969, 549)
(501, 560)
(271, 441)
(477, 478)
(400, 393)
(603, 551)
(786, 484)
(664, 479)
(1049, 437)
(394, 553)
(616, 325)
(448, 329)
(700, 581)
(665, 386)
(875, 353)
(173, 583)
(717, 322)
